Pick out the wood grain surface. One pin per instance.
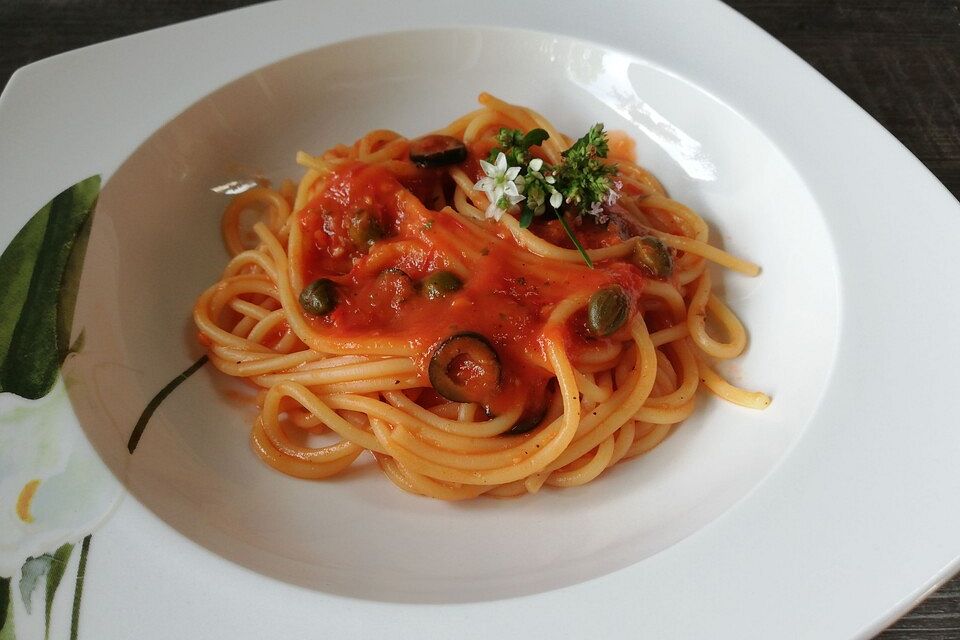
(899, 60)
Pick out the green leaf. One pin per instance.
(70, 287)
(41, 270)
(573, 238)
(57, 567)
(6, 608)
(78, 588)
(16, 264)
(526, 217)
(534, 137)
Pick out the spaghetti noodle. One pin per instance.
(378, 305)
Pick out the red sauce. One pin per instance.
(507, 294)
(274, 335)
(590, 234)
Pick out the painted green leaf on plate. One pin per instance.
(57, 568)
(52, 566)
(41, 271)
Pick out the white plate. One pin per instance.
(825, 516)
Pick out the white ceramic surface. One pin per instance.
(839, 519)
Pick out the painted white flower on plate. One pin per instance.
(53, 486)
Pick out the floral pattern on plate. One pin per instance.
(54, 489)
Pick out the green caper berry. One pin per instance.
(607, 311)
(440, 283)
(364, 229)
(319, 297)
(651, 255)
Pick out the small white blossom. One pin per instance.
(533, 170)
(614, 193)
(536, 201)
(556, 198)
(501, 184)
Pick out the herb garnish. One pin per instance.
(585, 181)
(582, 180)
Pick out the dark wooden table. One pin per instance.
(899, 60)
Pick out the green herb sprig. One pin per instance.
(516, 145)
(582, 180)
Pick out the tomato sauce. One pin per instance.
(506, 294)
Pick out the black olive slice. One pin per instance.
(465, 368)
(436, 151)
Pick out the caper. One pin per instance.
(319, 297)
(440, 283)
(607, 310)
(651, 255)
(364, 228)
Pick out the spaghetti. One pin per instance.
(378, 307)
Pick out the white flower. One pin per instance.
(533, 170)
(53, 486)
(556, 199)
(502, 186)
